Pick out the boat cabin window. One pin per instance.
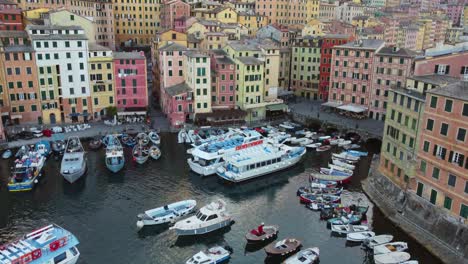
(58, 259)
(268, 162)
(201, 216)
(251, 166)
(211, 217)
(74, 251)
(263, 163)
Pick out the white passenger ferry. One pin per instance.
(208, 157)
(251, 162)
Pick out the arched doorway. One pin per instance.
(52, 118)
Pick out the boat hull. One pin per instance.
(115, 167)
(204, 170)
(141, 160)
(21, 187)
(74, 176)
(203, 230)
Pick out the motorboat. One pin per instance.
(377, 240)
(43, 147)
(357, 153)
(23, 150)
(140, 153)
(208, 157)
(410, 262)
(154, 138)
(262, 233)
(73, 161)
(323, 148)
(346, 157)
(142, 139)
(115, 158)
(319, 190)
(154, 152)
(319, 198)
(359, 236)
(305, 256)
(334, 172)
(283, 247)
(344, 143)
(212, 255)
(166, 214)
(352, 146)
(314, 145)
(339, 168)
(128, 141)
(259, 160)
(209, 218)
(26, 172)
(343, 164)
(95, 143)
(332, 178)
(7, 154)
(392, 258)
(49, 244)
(182, 137)
(346, 229)
(390, 247)
(353, 219)
(58, 147)
(321, 205)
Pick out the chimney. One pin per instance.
(395, 49)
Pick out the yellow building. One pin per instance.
(222, 14)
(313, 7)
(252, 22)
(35, 13)
(214, 40)
(173, 36)
(313, 28)
(420, 36)
(66, 18)
(101, 78)
(197, 27)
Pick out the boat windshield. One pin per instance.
(201, 216)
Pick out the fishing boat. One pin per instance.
(208, 157)
(357, 153)
(352, 146)
(7, 154)
(320, 190)
(314, 145)
(154, 152)
(390, 247)
(334, 172)
(377, 240)
(346, 229)
(182, 137)
(95, 143)
(259, 160)
(115, 158)
(154, 137)
(323, 148)
(319, 198)
(140, 153)
(392, 258)
(58, 147)
(305, 256)
(166, 214)
(410, 262)
(23, 150)
(262, 233)
(50, 244)
(319, 206)
(339, 168)
(353, 219)
(128, 141)
(26, 172)
(283, 247)
(344, 143)
(43, 147)
(209, 218)
(142, 139)
(343, 164)
(346, 157)
(212, 255)
(74, 160)
(332, 178)
(359, 236)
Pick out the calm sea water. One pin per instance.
(101, 210)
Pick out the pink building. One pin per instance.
(448, 62)
(351, 73)
(180, 24)
(455, 12)
(171, 11)
(178, 103)
(391, 30)
(223, 80)
(130, 81)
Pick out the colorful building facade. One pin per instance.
(328, 42)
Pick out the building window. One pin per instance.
(461, 134)
(464, 211)
(465, 110)
(444, 129)
(452, 180)
(448, 203)
(448, 105)
(433, 102)
(433, 197)
(420, 189)
(430, 124)
(426, 146)
(435, 173)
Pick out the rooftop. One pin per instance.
(366, 44)
(128, 55)
(250, 60)
(96, 47)
(435, 79)
(53, 27)
(195, 54)
(224, 60)
(19, 48)
(178, 89)
(7, 2)
(409, 92)
(242, 46)
(13, 34)
(59, 37)
(335, 36)
(172, 46)
(398, 52)
(457, 90)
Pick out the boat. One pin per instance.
(140, 153)
(319, 190)
(359, 236)
(410, 262)
(23, 150)
(319, 206)
(208, 157)
(43, 147)
(166, 214)
(259, 160)
(332, 178)
(95, 143)
(319, 198)
(209, 218)
(182, 137)
(142, 139)
(128, 141)
(353, 219)
(377, 240)
(115, 158)
(154, 152)
(7, 154)
(305, 256)
(323, 148)
(49, 244)
(262, 233)
(390, 247)
(334, 172)
(73, 161)
(26, 172)
(357, 153)
(343, 164)
(283, 247)
(352, 146)
(344, 143)
(392, 258)
(212, 255)
(58, 147)
(314, 145)
(346, 229)
(346, 157)
(339, 168)
(154, 137)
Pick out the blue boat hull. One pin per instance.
(24, 186)
(115, 167)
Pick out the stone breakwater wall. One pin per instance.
(443, 235)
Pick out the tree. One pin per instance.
(111, 111)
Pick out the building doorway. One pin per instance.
(52, 118)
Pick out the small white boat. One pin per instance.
(154, 152)
(347, 229)
(154, 137)
(140, 153)
(339, 168)
(377, 240)
(392, 258)
(344, 143)
(182, 137)
(390, 247)
(343, 164)
(7, 154)
(73, 164)
(360, 236)
(305, 256)
(323, 148)
(410, 262)
(142, 139)
(212, 255)
(166, 214)
(345, 156)
(314, 145)
(352, 146)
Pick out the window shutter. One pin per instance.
(461, 160)
(436, 69)
(435, 150)
(450, 156)
(447, 69)
(444, 151)
(462, 70)
(466, 163)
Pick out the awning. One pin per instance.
(5, 114)
(353, 108)
(16, 116)
(332, 104)
(74, 114)
(276, 107)
(131, 113)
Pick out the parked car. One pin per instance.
(26, 135)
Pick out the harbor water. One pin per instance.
(101, 208)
